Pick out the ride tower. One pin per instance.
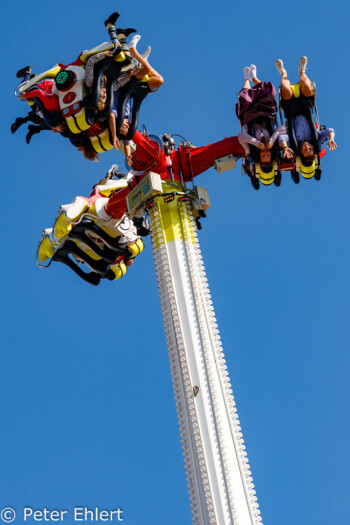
(161, 184)
(219, 480)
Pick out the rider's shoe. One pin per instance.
(32, 130)
(24, 71)
(252, 71)
(135, 248)
(147, 53)
(303, 63)
(17, 123)
(112, 19)
(134, 41)
(280, 68)
(126, 32)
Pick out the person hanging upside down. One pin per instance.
(256, 110)
(143, 75)
(142, 71)
(297, 101)
(45, 112)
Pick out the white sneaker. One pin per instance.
(252, 71)
(146, 54)
(303, 63)
(279, 66)
(134, 41)
(246, 72)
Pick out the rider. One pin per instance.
(45, 112)
(297, 103)
(144, 75)
(255, 104)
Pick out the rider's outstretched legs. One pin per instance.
(305, 84)
(246, 73)
(253, 75)
(286, 90)
(110, 25)
(122, 36)
(25, 73)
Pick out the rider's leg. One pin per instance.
(25, 72)
(155, 80)
(305, 84)
(253, 76)
(286, 90)
(246, 73)
(122, 35)
(110, 25)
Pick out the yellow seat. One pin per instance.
(78, 123)
(136, 248)
(305, 171)
(45, 249)
(87, 250)
(119, 269)
(266, 178)
(62, 227)
(101, 142)
(296, 90)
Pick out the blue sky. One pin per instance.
(87, 408)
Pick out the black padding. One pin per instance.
(70, 247)
(300, 106)
(110, 254)
(65, 79)
(90, 116)
(137, 91)
(62, 256)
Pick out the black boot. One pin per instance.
(109, 23)
(122, 35)
(24, 71)
(17, 123)
(33, 130)
(125, 32)
(112, 19)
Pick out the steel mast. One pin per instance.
(219, 479)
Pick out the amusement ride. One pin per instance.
(99, 237)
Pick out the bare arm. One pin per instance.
(127, 148)
(287, 151)
(331, 145)
(281, 130)
(113, 129)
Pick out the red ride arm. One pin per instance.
(196, 160)
(187, 161)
